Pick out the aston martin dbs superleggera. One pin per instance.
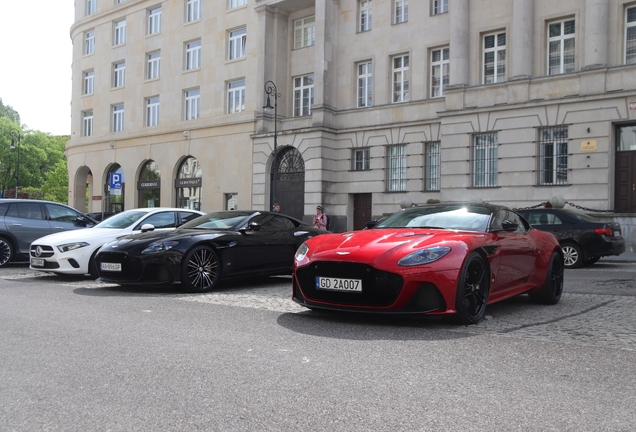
(441, 259)
(219, 245)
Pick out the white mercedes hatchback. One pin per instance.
(72, 252)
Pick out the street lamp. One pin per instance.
(15, 141)
(270, 90)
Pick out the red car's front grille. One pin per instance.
(379, 288)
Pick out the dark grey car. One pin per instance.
(22, 221)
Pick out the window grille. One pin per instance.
(396, 168)
(630, 35)
(484, 163)
(432, 166)
(553, 155)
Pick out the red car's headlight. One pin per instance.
(424, 256)
(301, 252)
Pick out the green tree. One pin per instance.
(55, 186)
(7, 112)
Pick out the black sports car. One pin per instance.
(219, 245)
(584, 239)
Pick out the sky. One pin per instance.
(36, 54)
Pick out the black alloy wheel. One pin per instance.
(472, 290)
(6, 252)
(572, 255)
(553, 286)
(201, 270)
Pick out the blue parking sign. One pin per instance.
(115, 183)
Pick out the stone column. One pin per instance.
(596, 34)
(519, 43)
(459, 43)
(324, 67)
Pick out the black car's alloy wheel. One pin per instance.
(553, 286)
(572, 255)
(472, 290)
(200, 270)
(6, 252)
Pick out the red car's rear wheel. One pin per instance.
(472, 290)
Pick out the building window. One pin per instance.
(400, 11)
(154, 65)
(119, 1)
(630, 35)
(303, 95)
(193, 55)
(360, 159)
(192, 104)
(401, 78)
(88, 82)
(396, 168)
(118, 118)
(119, 32)
(233, 4)
(238, 39)
(89, 42)
(236, 96)
(440, 71)
(193, 10)
(91, 7)
(366, 18)
(87, 123)
(305, 32)
(440, 7)
(432, 166)
(553, 155)
(154, 20)
(561, 47)
(119, 74)
(484, 154)
(152, 111)
(494, 58)
(365, 84)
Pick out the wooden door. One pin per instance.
(361, 210)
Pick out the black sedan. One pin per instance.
(219, 245)
(584, 239)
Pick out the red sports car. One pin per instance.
(440, 259)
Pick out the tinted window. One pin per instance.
(272, 222)
(187, 216)
(60, 213)
(159, 220)
(28, 210)
(229, 220)
(503, 215)
(543, 218)
(3, 208)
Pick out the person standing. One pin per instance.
(276, 208)
(320, 220)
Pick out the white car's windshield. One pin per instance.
(467, 218)
(122, 220)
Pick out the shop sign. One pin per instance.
(191, 182)
(148, 184)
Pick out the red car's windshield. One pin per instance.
(456, 217)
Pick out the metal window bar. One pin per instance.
(396, 168)
(484, 164)
(553, 155)
(432, 166)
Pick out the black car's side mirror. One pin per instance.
(509, 226)
(252, 226)
(371, 224)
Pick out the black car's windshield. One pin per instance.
(457, 217)
(122, 220)
(228, 220)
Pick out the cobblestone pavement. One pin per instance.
(598, 320)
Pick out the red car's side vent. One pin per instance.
(490, 250)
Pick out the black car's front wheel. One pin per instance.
(200, 270)
(473, 288)
(572, 255)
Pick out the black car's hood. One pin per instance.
(162, 236)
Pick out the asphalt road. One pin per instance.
(78, 355)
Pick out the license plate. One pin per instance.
(110, 266)
(617, 233)
(37, 262)
(338, 284)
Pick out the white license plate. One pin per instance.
(338, 284)
(617, 233)
(110, 266)
(37, 262)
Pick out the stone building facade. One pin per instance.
(377, 102)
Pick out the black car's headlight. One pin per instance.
(160, 247)
(71, 246)
(301, 252)
(424, 256)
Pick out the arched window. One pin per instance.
(114, 196)
(149, 185)
(188, 184)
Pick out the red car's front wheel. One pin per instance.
(473, 288)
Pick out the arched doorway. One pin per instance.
(114, 198)
(188, 184)
(290, 182)
(149, 185)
